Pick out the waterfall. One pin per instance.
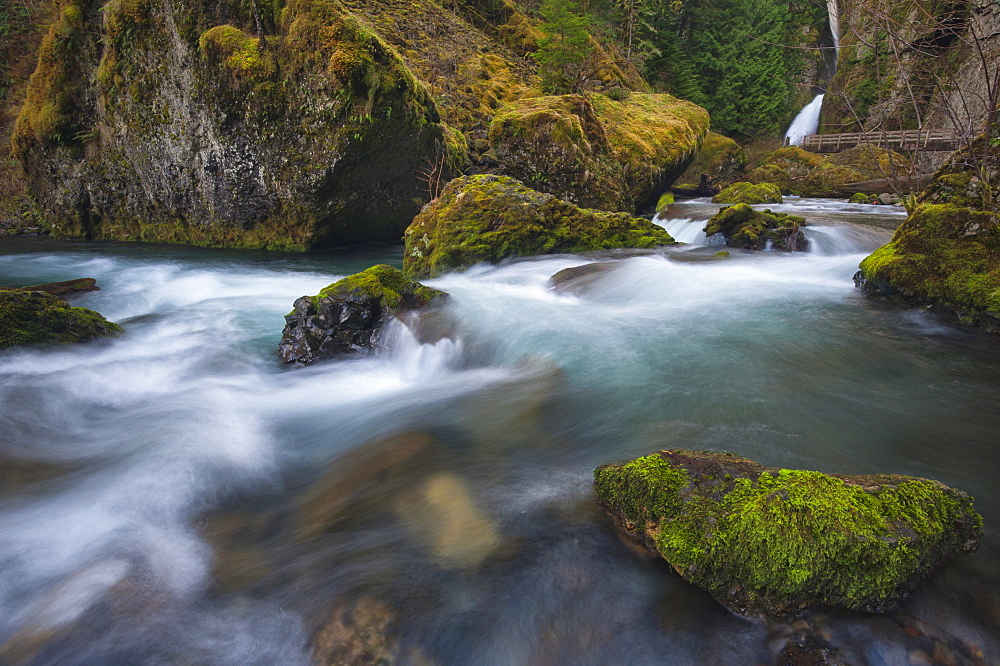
(806, 122)
(834, 18)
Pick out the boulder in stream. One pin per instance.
(61, 289)
(33, 317)
(753, 229)
(489, 218)
(349, 315)
(749, 193)
(769, 541)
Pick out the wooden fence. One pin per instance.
(923, 139)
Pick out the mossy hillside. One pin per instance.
(383, 284)
(201, 131)
(776, 541)
(752, 229)
(719, 161)
(595, 151)
(944, 255)
(784, 167)
(970, 177)
(797, 171)
(34, 317)
(489, 218)
(749, 193)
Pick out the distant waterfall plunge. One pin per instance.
(806, 122)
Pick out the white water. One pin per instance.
(833, 12)
(806, 122)
(771, 355)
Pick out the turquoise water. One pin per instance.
(189, 499)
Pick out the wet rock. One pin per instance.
(752, 229)
(769, 541)
(357, 634)
(580, 279)
(442, 514)
(33, 317)
(349, 315)
(749, 193)
(489, 218)
(809, 653)
(720, 160)
(61, 289)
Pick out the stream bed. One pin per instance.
(177, 495)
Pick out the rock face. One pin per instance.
(489, 218)
(752, 229)
(349, 315)
(749, 193)
(596, 152)
(720, 160)
(178, 122)
(32, 317)
(947, 252)
(774, 541)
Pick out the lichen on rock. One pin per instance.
(749, 193)
(487, 218)
(35, 317)
(752, 229)
(596, 152)
(773, 541)
(350, 315)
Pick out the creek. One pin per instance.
(176, 495)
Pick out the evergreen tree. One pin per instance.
(563, 51)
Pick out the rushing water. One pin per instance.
(176, 495)
(806, 122)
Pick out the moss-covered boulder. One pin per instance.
(773, 541)
(596, 152)
(489, 218)
(180, 122)
(349, 315)
(719, 161)
(749, 193)
(947, 252)
(33, 317)
(797, 171)
(757, 229)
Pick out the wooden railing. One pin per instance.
(922, 139)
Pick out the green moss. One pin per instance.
(489, 218)
(595, 151)
(749, 193)
(383, 283)
(943, 254)
(752, 229)
(719, 160)
(32, 317)
(666, 199)
(767, 540)
(240, 52)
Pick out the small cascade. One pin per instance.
(685, 229)
(807, 122)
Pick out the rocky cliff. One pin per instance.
(199, 122)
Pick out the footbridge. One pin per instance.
(918, 139)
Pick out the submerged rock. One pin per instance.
(752, 229)
(349, 315)
(32, 317)
(749, 193)
(946, 254)
(64, 288)
(596, 152)
(489, 218)
(579, 280)
(771, 541)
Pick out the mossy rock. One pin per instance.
(487, 218)
(597, 152)
(861, 198)
(785, 167)
(349, 315)
(797, 171)
(943, 255)
(177, 122)
(752, 229)
(749, 193)
(719, 161)
(771, 541)
(34, 317)
(969, 177)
